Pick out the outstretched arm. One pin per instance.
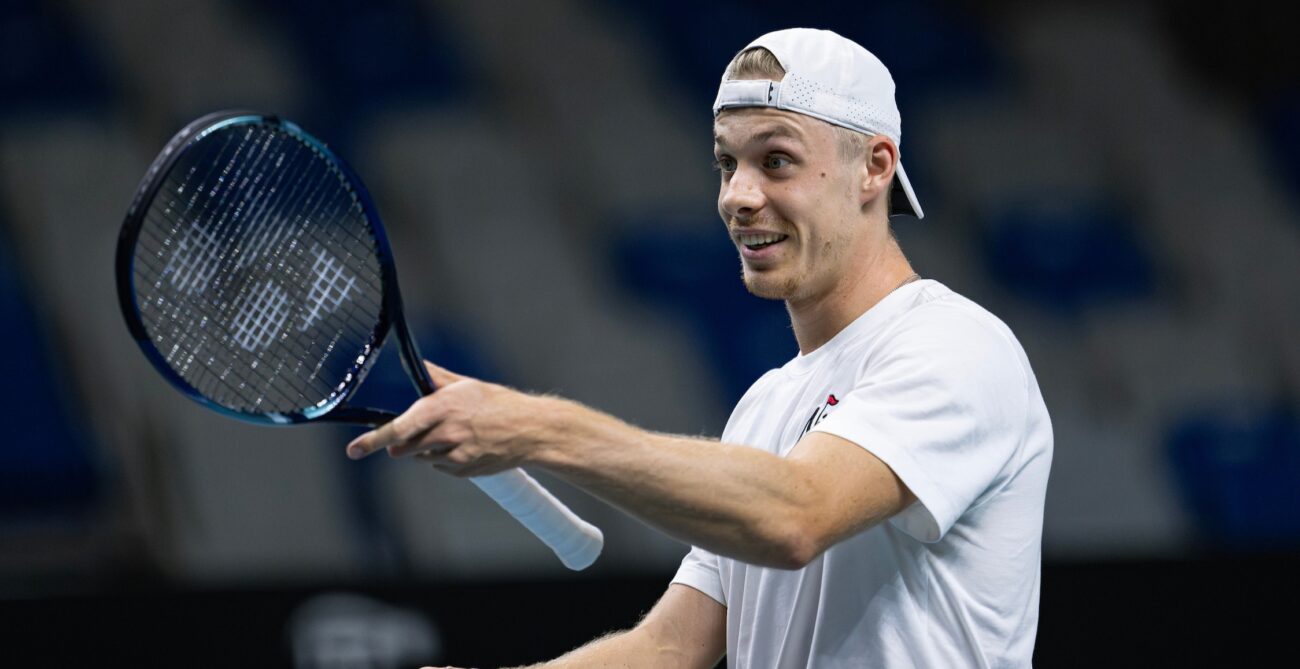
(685, 629)
(732, 500)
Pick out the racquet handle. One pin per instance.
(576, 542)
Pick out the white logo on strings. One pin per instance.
(331, 286)
(194, 263)
(261, 316)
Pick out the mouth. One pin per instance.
(760, 240)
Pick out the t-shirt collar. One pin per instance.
(870, 321)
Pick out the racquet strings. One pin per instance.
(256, 272)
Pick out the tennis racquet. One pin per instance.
(254, 273)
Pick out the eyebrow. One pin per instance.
(778, 131)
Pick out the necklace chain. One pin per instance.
(906, 281)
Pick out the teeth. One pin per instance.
(755, 240)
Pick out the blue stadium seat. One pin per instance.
(1066, 255)
(1240, 476)
(362, 56)
(697, 39)
(45, 64)
(926, 47)
(1281, 125)
(47, 459)
(930, 48)
(696, 276)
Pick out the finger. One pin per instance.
(459, 463)
(435, 435)
(429, 442)
(441, 377)
(443, 464)
(421, 417)
(389, 434)
(436, 459)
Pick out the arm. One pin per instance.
(685, 629)
(732, 500)
(729, 499)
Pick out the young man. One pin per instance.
(875, 502)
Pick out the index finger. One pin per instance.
(378, 439)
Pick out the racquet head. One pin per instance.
(254, 272)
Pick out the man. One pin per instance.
(875, 502)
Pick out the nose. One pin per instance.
(741, 195)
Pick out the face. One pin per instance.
(791, 203)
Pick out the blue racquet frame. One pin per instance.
(391, 315)
(576, 542)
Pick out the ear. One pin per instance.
(878, 167)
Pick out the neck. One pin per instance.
(818, 318)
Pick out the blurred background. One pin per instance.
(1118, 181)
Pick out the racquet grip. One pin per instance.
(576, 542)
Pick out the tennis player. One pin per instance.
(875, 502)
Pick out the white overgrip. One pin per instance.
(576, 542)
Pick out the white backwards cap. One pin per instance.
(831, 78)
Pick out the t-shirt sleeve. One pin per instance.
(941, 401)
(699, 570)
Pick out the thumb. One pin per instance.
(441, 377)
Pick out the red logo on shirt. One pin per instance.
(818, 414)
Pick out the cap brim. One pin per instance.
(902, 201)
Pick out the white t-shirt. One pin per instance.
(941, 391)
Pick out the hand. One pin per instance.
(466, 428)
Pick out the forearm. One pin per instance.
(629, 649)
(733, 500)
(736, 501)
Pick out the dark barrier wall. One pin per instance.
(1193, 613)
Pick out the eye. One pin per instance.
(725, 164)
(775, 162)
